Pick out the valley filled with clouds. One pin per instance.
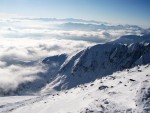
(74, 56)
(24, 43)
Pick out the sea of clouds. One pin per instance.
(26, 41)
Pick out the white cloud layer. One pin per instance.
(63, 29)
(24, 41)
(17, 55)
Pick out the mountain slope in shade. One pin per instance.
(100, 60)
(126, 91)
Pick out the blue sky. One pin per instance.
(114, 11)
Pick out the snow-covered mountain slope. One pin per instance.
(122, 92)
(98, 61)
(67, 71)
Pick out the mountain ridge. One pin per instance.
(65, 71)
(102, 60)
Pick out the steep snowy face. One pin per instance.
(102, 60)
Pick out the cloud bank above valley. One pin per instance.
(20, 58)
(25, 42)
(73, 29)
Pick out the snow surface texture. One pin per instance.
(122, 92)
